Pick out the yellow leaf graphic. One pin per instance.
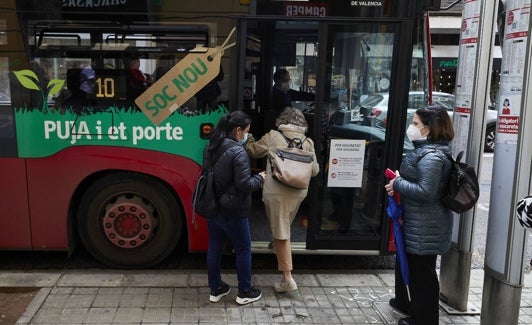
(28, 79)
(55, 86)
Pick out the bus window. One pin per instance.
(7, 128)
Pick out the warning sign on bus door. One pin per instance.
(346, 163)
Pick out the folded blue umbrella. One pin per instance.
(395, 212)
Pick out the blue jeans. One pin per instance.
(236, 230)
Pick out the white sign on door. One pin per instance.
(346, 163)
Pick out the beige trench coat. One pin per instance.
(281, 202)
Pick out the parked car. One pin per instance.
(4, 98)
(491, 125)
(376, 106)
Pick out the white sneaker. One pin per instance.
(285, 285)
(246, 297)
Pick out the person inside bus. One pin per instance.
(232, 172)
(164, 64)
(207, 97)
(281, 201)
(283, 95)
(137, 82)
(427, 223)
(87, 84)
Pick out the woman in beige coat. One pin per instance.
(281, 201)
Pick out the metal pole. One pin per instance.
(506, 239)
(472, 91)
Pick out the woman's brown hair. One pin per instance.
(438, 121)
(291, 115)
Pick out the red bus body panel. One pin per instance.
(53, 181)
(15, 220)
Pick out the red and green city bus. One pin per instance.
(102, 175)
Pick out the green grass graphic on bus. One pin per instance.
(43, 131)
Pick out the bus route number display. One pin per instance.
(105, 88)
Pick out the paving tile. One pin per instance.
(156, 279)
(189, 315)
(133, 300)
(29, 279)
(348, 280)
(128, 315)
(108, 301)
(100, 315)
(79, 301)
(91, 280)
(160, 297)
(156, 315)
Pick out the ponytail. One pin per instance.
(225, 126)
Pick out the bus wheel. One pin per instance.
(129, 220)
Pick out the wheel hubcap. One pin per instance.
(127, 222)
(490, 140)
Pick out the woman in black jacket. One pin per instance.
(232, 174)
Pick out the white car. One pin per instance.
(376, 107)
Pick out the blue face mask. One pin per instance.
(244, 139)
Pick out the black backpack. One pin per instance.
(205, 200)
(462, 190)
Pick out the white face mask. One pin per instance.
(285, 86)
(244, 139)
(413, 133)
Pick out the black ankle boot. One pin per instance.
(403, 309)
(405, 321)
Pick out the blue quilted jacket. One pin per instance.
(423, 175)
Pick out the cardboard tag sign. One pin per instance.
(179, 84)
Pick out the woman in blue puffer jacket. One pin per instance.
(427, 223)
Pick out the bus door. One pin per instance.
(351, 69)
(356, 64)
(271, 45)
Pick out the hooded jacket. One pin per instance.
(423, 177)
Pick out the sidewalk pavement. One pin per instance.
(182, 297)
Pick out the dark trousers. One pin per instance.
(424, 289)
(236, 230)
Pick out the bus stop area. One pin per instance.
(182, 297)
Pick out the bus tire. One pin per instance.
(128, 220)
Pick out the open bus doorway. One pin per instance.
(340, 64)
(292, 46)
